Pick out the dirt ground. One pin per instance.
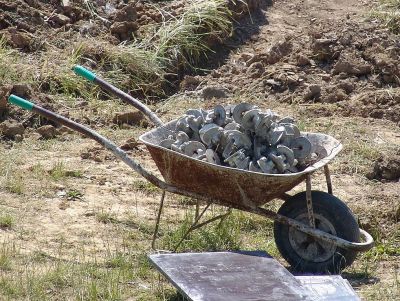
(323, 62)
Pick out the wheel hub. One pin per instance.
(308, 247)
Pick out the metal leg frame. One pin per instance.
(328, 179)
(153, 243)
(197, 225)
(194, 226)
(309, 202)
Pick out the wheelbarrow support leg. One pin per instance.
(309, 202)
(192, 227)
(197, 225)
(328, 179)
(153, 242)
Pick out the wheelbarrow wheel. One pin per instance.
(307, 254)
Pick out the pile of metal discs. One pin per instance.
(241, 136)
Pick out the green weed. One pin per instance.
(6, 221)
(145, 187)
(106, 217)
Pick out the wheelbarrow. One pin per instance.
(313, 230)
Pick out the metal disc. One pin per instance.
(239, 110)
(301, 147)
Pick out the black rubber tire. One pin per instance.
(332, 210)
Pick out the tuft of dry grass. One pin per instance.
(388, 12)
(184, 40)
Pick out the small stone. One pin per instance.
(129, 144)
(255, 70)
(312, 92)
(124, 30)
(19, 39)
(47, 131)
(132, 118)
(210, 92)
(189, 83)
(216, 74)
(302, 60)
(347, 86)
(22, 90)
(11, 129)
(128, 13)
(351, 65)
(59, 20)
(18, 138)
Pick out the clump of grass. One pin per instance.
(59, 172)
(7, 252)
(6, 221)
(389, 13)
(145, 187)
(176, 44)
(220, 235)
(74, 195)
(186, 39)
(106, 217)
(134, 67)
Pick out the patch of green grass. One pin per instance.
(6, 221)
(106, 217)
(15, 183)
(7, 251)
(388, 11)
(10, 70)
(220, 235)
(186, 39)
(145, 187)
(134, 67)
(74, 195)
(59, 172)
(55, 279)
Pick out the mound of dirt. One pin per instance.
(386, 168)
(352, 64)
(379, 103)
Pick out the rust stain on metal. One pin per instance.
(224, 184)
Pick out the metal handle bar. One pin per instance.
(27, 105)
(89, 75)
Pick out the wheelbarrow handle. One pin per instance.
(118, 152)
(89, 75)
(27, 105)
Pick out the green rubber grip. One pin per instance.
(89, 75)
(23, 103)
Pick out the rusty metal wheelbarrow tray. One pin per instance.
(228, 186)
